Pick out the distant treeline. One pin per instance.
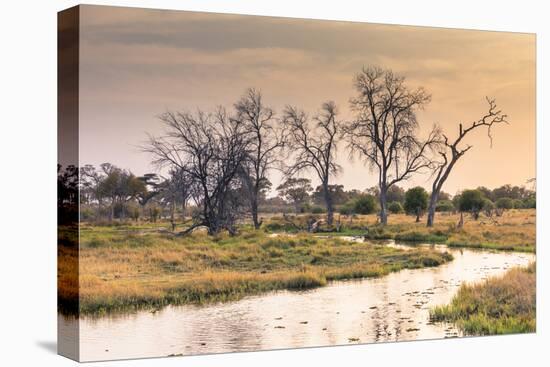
(219, 161)
(110, 193)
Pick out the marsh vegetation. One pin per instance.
(208, 226)
(133, 267)
(500, 305)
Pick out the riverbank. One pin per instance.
(391, 308)
(501, 305)
(124, 268)
(514, 230)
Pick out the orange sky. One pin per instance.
(137, 63)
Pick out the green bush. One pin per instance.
(395, 207)
(505, 203)
(488, 204)
(518, 204)
(444, 206)
(317, 209)
(365, 204)
(346, 209)
(86, 214)
(530, 203)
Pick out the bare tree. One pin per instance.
(210, 148)
(450, 152)
(314, 148)
(265, 144)
(384, 131)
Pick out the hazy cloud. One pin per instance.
(136, 63)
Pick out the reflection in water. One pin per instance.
(391, 308)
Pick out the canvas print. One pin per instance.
(231, 183)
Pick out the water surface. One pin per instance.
(391, 308)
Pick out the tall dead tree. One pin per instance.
(265, 142)
(450, 152)
(210, 148)
(314, 148)
(384, 131)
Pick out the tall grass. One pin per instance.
(132, 269)
(500, 305)
(515, 230)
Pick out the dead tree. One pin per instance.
(314, 148)
(384, 131)
(265, 142)
(450, 152)
(210, 148)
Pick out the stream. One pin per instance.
(390, 308)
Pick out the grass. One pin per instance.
(515, 230)
(124, 268)
(500, 305)
(134, 266)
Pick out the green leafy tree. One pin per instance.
(471, 201)
(518, 204)
(336, 192)
(296, 191)
(488, 207)
(416, 201)
(530, 203)
(505, 203)
(395, 194)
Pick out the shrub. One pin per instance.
(505, 203)
(530, 203)
(317, 209)
(395, 207)
(365, 204)
(133, 211)
(347, 209)
(86, 214)
(518, 204)
(444, 206)
(488, 207)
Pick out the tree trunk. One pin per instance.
(254, 209)
(122, 214)
(112, 214)
(172, 215)
(431, 208)
(183, 207)
(328, 203)
(383, 206)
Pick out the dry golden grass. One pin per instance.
(514, 230)
(135, 266)
(122, 269)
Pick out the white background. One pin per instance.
(28, 182)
